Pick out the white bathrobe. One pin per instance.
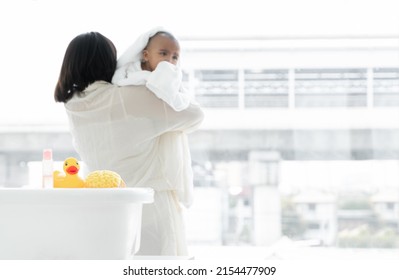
(120, 128)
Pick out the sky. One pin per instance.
(36, 33)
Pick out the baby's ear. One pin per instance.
(144, 56)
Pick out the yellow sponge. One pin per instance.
(104, 179)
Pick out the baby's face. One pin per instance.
(160, 48)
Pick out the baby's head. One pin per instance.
(163, 46)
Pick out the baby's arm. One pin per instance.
(166, 83)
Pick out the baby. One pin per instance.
(153, 60)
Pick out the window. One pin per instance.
(266, 88)
(217, 88)
(312, 207)
(386, 87)
(330, 87)
(313, 226)
(390, 206)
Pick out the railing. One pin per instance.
(296, 88)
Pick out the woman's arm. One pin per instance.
(187, 120)
(140, 102)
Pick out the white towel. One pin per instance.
(130, 74)
(134, 52)
(165, 81)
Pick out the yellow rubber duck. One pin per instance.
(70, 179)
(104, 179)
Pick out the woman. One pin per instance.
(119, 128)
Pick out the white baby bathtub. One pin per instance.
(71, 223)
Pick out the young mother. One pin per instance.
(119, 128)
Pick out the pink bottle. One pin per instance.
(47, 167)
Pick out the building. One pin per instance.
(318, 211)
(386, 206)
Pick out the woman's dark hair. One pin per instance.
(89, 57)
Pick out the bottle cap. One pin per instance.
(47, 154)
